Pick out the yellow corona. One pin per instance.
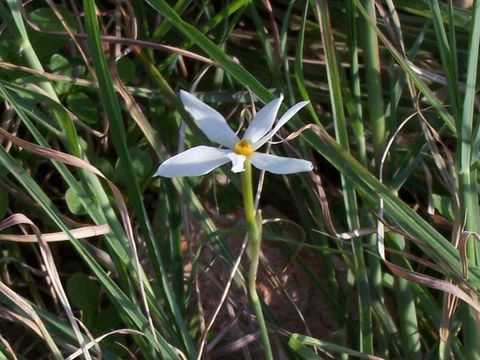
(243, 148)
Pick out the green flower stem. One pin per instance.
(253, 251)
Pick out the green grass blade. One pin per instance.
(396, 211)
(324, 345)
(233, 68)
(421, 85)
(467, 177)
(356, 115)
(298, 66)
(373, 81)
(350, 199)
(447, 55)
(113, 110)
(123, 303)
(31, 57)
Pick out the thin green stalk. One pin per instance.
(373, 81)
(165, 26)
(269, 53)
(253, 250)
(357, 124)
(298, 67)
(468, 193)
(467, 177)
(350, 199)
(405, 300)
(447, 54)
(330, 291)
(175, 241)
(404, 294)
(290, 97)
(376, 117)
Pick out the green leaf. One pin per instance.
(303, 351)
(74, 202)
(82, 106)
(3, 203)
(126, 69)
(107, 319)
(46, 20)
(83, 293)
(3, 171)
(142, 165)
(444, 205)
(60, 65)
(104, 165)
(5, 48)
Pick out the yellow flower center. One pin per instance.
(243, 148)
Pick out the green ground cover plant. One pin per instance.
(373, 253)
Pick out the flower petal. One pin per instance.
(237, 162)
(263, 121)
(283, 120)
(196, 161)
(280, 165)
(209, 120)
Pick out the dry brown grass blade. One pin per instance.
(117, 40)
(80, 233)
(20, 219)
(295, 134)
(79, 163)
(236, 265)
(97, 340)
(275, 32)
(70, 79)
(6, 345)
(462, 249)
(39, 328)
(227, 350)
(448, 310)
(444, 160)
(69, 31)
(322, 199)
(139, 117)
(73, 161)
(317, 180)
(17, 318)
(75, 119)
(418, 278)
(434, 283)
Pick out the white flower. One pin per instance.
(201, 160)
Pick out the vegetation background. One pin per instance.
(372, 255)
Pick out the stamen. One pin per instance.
(243, 148)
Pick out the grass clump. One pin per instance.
(373, 254)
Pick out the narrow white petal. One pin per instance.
(279, 164)
(209, 120)
(283, 120)
(196, 161)
(238, 162)
(263, 121)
